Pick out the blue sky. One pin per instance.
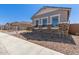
(23, 12)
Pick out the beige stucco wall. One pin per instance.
(46, 10)
(74, 28)
(63, 15)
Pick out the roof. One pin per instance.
(51, 7)
(55, 7)
(28, 24)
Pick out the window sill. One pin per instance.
(54, 27)
(44, 27)
(36, 28)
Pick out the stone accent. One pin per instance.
(64, 28)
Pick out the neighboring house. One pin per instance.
(1, 27)
(50, 19)
(18, 26)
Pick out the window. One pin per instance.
(44, 22)
(37, 23)
(55, 21)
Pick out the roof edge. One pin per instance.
(49, 7)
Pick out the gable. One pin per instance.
(45, 10)
(49, 9)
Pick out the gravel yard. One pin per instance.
(60, 47)
(65, 48)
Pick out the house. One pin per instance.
(18, 26)
(1, 27)
(51, 19)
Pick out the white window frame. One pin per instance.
(34, 21)
(36, 28)
(42, 22)
(58, 20)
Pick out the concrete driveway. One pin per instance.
(15, 46)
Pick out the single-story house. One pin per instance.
(51, 19)
(18, 26)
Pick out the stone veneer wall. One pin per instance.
(63, 29)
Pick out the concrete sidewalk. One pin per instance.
(15, 46)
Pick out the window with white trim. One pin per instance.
(44, 22)
(37, 23)
(40, 22)
(55, 21)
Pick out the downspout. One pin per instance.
(69, 11)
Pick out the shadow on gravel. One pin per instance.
(47, 37)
